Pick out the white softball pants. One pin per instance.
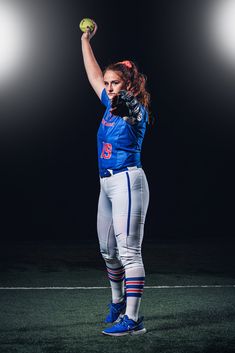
(122, 208)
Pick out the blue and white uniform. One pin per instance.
(119, 140)
(123, 200)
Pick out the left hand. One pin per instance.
(118, 104)
(126, 104)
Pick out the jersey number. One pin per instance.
(106, 151)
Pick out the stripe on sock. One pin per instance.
(134, 279)
(134, 286)
(117, 274)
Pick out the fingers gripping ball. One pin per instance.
(86, 22)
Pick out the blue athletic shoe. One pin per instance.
(126, 326)
(115, 311)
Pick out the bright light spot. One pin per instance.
(14, 42)
(222, 28)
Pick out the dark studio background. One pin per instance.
(50, 116)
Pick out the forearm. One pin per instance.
(92, 68)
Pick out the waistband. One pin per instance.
(110, 172)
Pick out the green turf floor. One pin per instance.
(177, 320)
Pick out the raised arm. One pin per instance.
(94, 73)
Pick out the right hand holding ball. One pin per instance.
(88, 27)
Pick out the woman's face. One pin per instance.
(113, 83)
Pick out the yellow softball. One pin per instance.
(86, 22)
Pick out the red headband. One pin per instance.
(127, 63)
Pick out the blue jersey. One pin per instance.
(119, 141)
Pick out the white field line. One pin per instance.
(146, 287)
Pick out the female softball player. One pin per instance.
(124, 192)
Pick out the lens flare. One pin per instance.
(222, 29)
(14, 42)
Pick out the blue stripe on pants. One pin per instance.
(129, 202)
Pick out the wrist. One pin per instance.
(84, 39)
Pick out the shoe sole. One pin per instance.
(132, 333)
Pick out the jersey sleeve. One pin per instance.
(104, 98)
